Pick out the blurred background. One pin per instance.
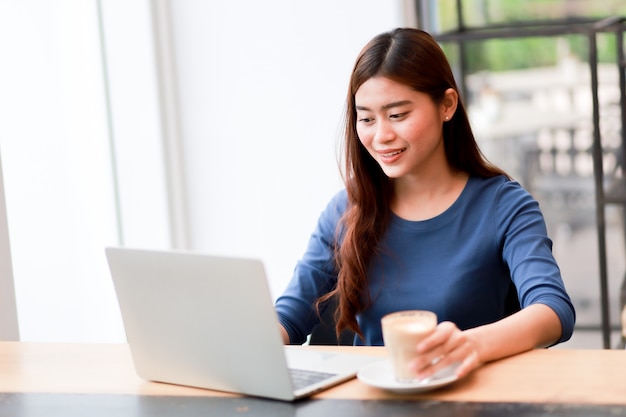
(214, 127)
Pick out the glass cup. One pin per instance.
(402, 331)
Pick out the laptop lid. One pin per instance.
(209, 321)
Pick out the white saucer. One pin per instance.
(380, 374)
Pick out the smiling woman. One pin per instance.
(425, 222)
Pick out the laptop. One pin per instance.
(209, 321)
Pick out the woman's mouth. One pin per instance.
(392, 153)
(390, 156)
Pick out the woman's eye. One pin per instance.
(397, 115)
(365, 120)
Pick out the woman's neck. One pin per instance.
(425, 197)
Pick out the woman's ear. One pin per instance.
(449, 102)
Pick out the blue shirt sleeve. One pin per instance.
(527, 250)
(314, 275)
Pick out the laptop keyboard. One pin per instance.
(303, 378)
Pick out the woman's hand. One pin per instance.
(445, 346)
(532, 327)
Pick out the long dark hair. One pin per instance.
(413, 58)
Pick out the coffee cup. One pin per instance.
(402, 332)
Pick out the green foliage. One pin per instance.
(527, 52)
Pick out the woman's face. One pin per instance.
(401, 128)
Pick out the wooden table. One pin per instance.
(91, 377)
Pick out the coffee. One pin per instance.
(402, 331)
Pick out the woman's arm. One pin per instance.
(533, 327)
(536, 326)
(314, 275)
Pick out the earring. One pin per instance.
(447, 118)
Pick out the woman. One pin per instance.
(425, 222)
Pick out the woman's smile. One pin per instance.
(390, 156)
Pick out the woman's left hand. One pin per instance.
(445, 346)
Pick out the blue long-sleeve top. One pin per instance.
(458, 264)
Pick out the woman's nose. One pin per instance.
(384, 132)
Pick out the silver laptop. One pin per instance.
(209, 321)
